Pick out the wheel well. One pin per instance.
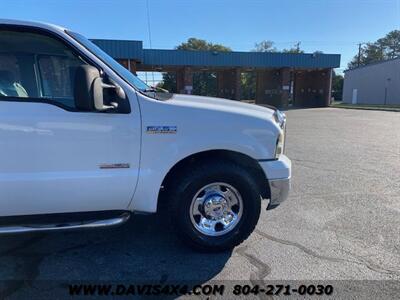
(232, 156)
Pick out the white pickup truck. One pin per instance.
(84, 143)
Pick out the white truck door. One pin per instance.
(53, 157)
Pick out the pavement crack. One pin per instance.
(372, 266)
(313, 167)
(263, 270)
(357, 260)
(311, 162)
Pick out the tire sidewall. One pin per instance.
(243, 183)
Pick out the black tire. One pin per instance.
(196, 176)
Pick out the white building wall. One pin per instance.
(373, 84)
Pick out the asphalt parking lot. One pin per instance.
(341, 221)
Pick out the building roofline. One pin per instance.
(239, 52)
(372, 64)
(113, 40)
(128, 49)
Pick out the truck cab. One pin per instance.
(85, 144)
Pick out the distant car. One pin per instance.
(85, 143)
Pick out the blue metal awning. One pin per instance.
(121, 49)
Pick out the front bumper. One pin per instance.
(278, 173)
(279, 192)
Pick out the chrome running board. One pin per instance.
(13, 229)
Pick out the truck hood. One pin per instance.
(223, 105)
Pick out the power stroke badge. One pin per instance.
(161, 129)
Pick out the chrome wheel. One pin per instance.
(216, 209)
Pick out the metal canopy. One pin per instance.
(122, 49)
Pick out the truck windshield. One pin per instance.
(122, 71)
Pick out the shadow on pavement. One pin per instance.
(143, 250)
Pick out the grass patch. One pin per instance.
(367, 106)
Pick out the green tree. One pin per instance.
(202, 45)
(384, 48)
(248, 84)
(264, 46)
(204, 83)
(248, 79)
(294, 49)
(168, 82)
(337, 86)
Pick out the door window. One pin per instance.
(57, 78)
(10, 77)
(38, 67)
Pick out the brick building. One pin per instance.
(305, 79)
